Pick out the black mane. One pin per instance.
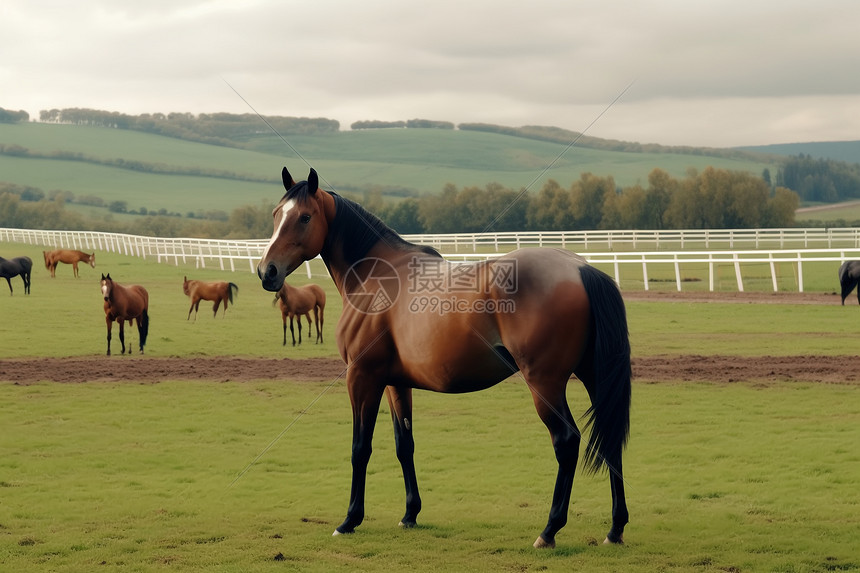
(356, 228)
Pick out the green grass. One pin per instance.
(143, 477)
(131, 477)
(417, 160)
(70, 318)
(64, 316)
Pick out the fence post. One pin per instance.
(645, 272)
(738, 273)
(799, 273)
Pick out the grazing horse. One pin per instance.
(849, 277)
(14, 267)
(125, 304)
(413, 320)
(215, 291)
(68, 256)
(298, 302)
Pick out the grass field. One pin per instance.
(417, 160)
(143, 477)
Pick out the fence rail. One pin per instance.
(769, 247)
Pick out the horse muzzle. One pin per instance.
(271, 278)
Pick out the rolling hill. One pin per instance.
(157, 172)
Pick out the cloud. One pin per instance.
(714, 72)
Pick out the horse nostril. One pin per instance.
(271, 271)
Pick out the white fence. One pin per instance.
(766, 247)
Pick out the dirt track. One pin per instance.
(719, 369)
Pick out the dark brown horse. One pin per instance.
(849, 277)
(122, 304)
(413, 320)
(14, 267)
(298, 302)
(68, 256)
(218, 291)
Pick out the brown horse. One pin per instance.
(68, 256)
(215, 291)
(298, 302)
(413, 320)
(125, 304)
(14, 267)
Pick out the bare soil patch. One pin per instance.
(687, 368)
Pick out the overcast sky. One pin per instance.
(703, 72)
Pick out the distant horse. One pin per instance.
(125, 304)
(413, 320)
(298, 302)
(14, 267)
(68, 256)
(215, 291)
(849, 277)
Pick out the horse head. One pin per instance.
(300, 230)
(107, 285)
(91, 259)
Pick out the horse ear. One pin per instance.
(108, 277)
(103, 276)
(313, 181)
(289, 182)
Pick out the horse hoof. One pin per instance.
(541, 543)
(337, 532)
(407, 525)
(608, 541)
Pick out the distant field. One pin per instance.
(410, 161)
(848, 211)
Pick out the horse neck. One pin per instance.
(353, 235)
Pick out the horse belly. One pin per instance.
(449, 357)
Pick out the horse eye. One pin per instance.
(305, 219)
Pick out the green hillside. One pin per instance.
(400, 162)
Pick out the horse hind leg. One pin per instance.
(215, 307)
(554, 412)
(400, 404)
(122, 337)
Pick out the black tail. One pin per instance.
(609, 415)
(230, 288)
(143, 328)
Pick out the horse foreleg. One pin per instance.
(293, 333)
(365, 395)
(555, 414)
(75, 268)
(400, 403)
(9, 280)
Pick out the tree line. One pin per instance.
(821, 180)
(714, 198)
(225, 129)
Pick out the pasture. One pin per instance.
(254, 476)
